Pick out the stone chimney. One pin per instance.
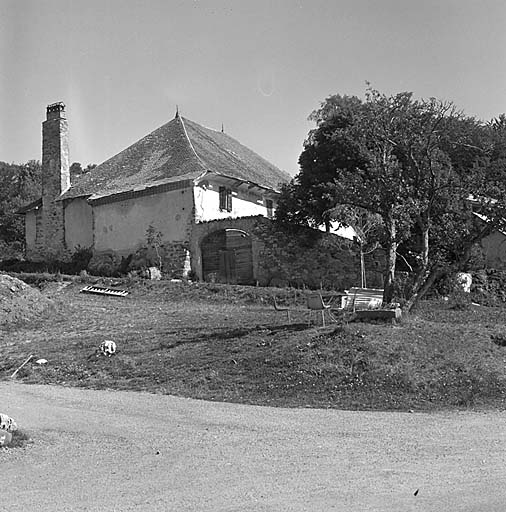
(55, 180)
(55, 151)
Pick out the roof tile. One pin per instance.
(179, 148)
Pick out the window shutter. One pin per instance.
(269, 205)
(229, 200)
(225, 199)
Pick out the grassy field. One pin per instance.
(225, 343)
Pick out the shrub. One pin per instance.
(19, 439)
(459, 299)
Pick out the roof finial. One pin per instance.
(177, 111)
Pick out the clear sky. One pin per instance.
(257, 66)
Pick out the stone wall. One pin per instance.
(299, 256)
(50, 231)
(295, 256)
(202, 229)
(33, 229)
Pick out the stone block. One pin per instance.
(393, 315)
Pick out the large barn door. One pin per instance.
(227, 257)
(227, 271)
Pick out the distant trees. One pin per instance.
(413, 163)
(76, 170)
(19, 185)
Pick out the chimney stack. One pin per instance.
(55, 181)
(55, 152)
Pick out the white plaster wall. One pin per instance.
(122, 226)
(207, 205)
(78, 224)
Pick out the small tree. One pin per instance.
(368, 228)
(154, 240)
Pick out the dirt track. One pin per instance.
(122, 451)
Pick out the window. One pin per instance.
(225, 199)
(269, 205)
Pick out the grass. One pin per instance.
(227, 343)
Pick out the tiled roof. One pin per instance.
(222, 154)
(179, 148)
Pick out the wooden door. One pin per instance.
(227, 257)
(227, 272)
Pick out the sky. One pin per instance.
(259, 67)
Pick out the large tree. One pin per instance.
(414, 163)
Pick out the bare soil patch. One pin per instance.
(20, 302)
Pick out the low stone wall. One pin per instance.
(299, 256)
(176, 260)
(295, 256)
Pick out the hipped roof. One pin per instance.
(180, 148)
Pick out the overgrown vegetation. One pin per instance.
(219, 342)
(20, 184)
(20, 438)
(78, 261)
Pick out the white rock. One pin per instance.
(7, 423)
(154, 273)
(464, 280)
(107, 348)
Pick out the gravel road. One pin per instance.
(121, 451)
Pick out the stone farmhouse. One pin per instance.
(207, 198)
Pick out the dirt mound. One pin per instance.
(20, 302)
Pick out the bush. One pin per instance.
(459, 300)
(105, 264)
(19, 439)
(80, 259)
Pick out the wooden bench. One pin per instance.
(363, 299)
(366, 304)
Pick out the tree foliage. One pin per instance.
(76, 170)
(20, 184)
(415, 164)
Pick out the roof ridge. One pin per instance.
(191, 145)
(222, 150)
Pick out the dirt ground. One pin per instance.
(20, 302)
(121, 451)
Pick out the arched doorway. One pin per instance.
(227, 257)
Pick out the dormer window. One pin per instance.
(225, 199)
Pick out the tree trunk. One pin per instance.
(362, 268)
(434, 274)
(388, 292)
(423, 273)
